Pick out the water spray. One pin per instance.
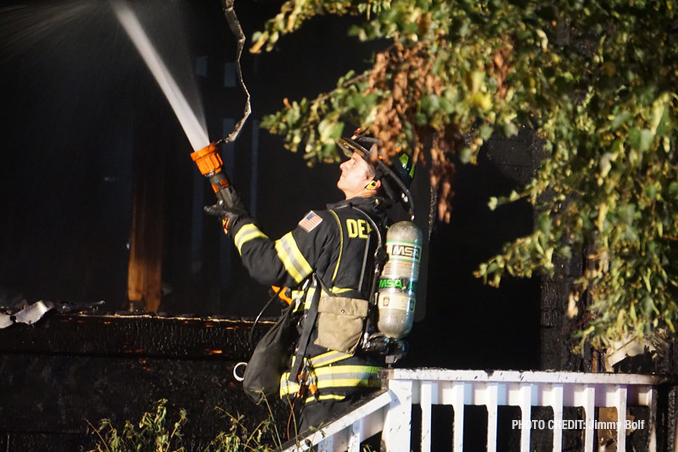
(194, 130)
(207, 158)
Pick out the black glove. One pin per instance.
(229, 215)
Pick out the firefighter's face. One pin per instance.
(356, 173)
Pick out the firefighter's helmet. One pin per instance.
(399, 171)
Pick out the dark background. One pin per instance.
(79, 106)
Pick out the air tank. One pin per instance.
(396, 297)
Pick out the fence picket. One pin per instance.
(391, 411)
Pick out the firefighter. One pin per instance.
(327, 259)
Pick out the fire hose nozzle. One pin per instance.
(211, 166)
(208, 160)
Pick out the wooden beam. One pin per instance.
(144, 281)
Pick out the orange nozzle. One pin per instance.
(208, 160)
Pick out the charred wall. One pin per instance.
(69, 370)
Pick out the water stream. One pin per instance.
(195, 130)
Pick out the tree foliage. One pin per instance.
(597, 82)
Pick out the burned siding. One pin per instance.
(71, 369)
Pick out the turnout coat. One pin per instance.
(336, 244)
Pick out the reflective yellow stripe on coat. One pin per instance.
(245, 234)
(295, 263)
(336, 377)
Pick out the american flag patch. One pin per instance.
(310, 221)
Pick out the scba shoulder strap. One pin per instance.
(379, 256)
(309, 322)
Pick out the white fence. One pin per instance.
(391, 411)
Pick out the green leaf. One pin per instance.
(420, 119)
(673, 190)
(430, 103)
(330, 130)
(646, 139)
(509, 129)
(640, 139)
(465, 154)
(481, 100)
(492, 204)
(627, 213)
(486, 131)
(620, 119)
(565, 252)
(544, 224)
